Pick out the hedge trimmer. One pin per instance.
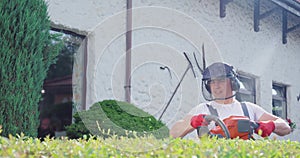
(231, 127)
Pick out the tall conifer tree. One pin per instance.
(27, 49)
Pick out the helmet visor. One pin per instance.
(208, 94)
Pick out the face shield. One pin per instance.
(218, 73)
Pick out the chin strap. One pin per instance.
(220, 98)
(224, 98)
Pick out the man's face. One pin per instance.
(221, 88)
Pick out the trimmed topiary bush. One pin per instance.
(111, 117)
(27, 50)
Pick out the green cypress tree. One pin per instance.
(27, 50)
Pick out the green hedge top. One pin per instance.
(147, 147)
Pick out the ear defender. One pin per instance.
(207, 86)
(235, 84)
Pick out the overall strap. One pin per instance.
(245, 109)
(212, 110)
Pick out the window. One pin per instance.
(247, 89)
(65, 75)
(279, 102)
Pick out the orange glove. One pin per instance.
(198, 120)
(265, 128)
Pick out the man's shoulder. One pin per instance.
(204, 104)
(252, 106)
(249, 103)
(200, 108)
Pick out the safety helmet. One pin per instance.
(218, 70)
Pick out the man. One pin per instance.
(219, 86)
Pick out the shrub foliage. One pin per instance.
(27, 49)
(111, 117)
(146, 147)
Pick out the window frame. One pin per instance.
(283, 99)
(244, 76)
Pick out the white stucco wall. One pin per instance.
(162, 30)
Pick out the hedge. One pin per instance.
(146, 147)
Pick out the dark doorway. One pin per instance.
(57, 95)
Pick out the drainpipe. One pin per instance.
(128, 50)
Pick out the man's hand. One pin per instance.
(265, 128)
(198, 120)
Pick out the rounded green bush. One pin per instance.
(111, 117)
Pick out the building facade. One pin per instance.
(141, 51)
